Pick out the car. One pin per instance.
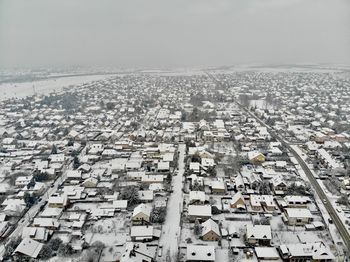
(324, 201)
(42, 207)
(330, 221)
(160, 250)
(52, 185)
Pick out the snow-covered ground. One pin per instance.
(171, 228)
(21, 90)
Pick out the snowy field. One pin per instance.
(21, 90)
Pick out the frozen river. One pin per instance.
(24, 89)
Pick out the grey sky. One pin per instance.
(164, 33)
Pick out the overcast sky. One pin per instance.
(164, 33)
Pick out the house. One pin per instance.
(141, 214)
(135, 175)
(118, 164)
(156, 187)
(163, 166)
(74, 175)
(267, 253)
(210, 230)
(168, 157)
(199, 212)
(275, 151)
(218, 187)
(96, 148)
(256, 158)
(278, 184)
(281, 165)
(120, 205)
(207, 162)
(197, 253)
(90, 182)
(37, 233)
(146, 195)
(109, 153)
(29, 247)
(261, 202)
(298, 216)
(195, 167)
(258, 234)
(22, 181)
(37, 189)
(53, 212)
(313, 252)
(233, 231)
(239, 183)
(144, 233)
(327, 160)
(58, 200)
(13, 207)
(197, 197)
(297, 201)
(49, 223)
(57, 158)
(149, 179)
(195, 180)
(237, 201)
(85, 168)
(133, 164)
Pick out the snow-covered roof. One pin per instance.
(328, 158)
(317, 250)
(267, 252)
(163, 165)
(298, 213)
(73, 174)
(236, 197)
(142, 208)
(29, 247)
(210, 225)
(297, 199)
(197, 195)
(218, 185)
(194, 210)
(141, 231)
(259, 231)
(200, 253)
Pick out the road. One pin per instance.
(330, 209)
(171, 228)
